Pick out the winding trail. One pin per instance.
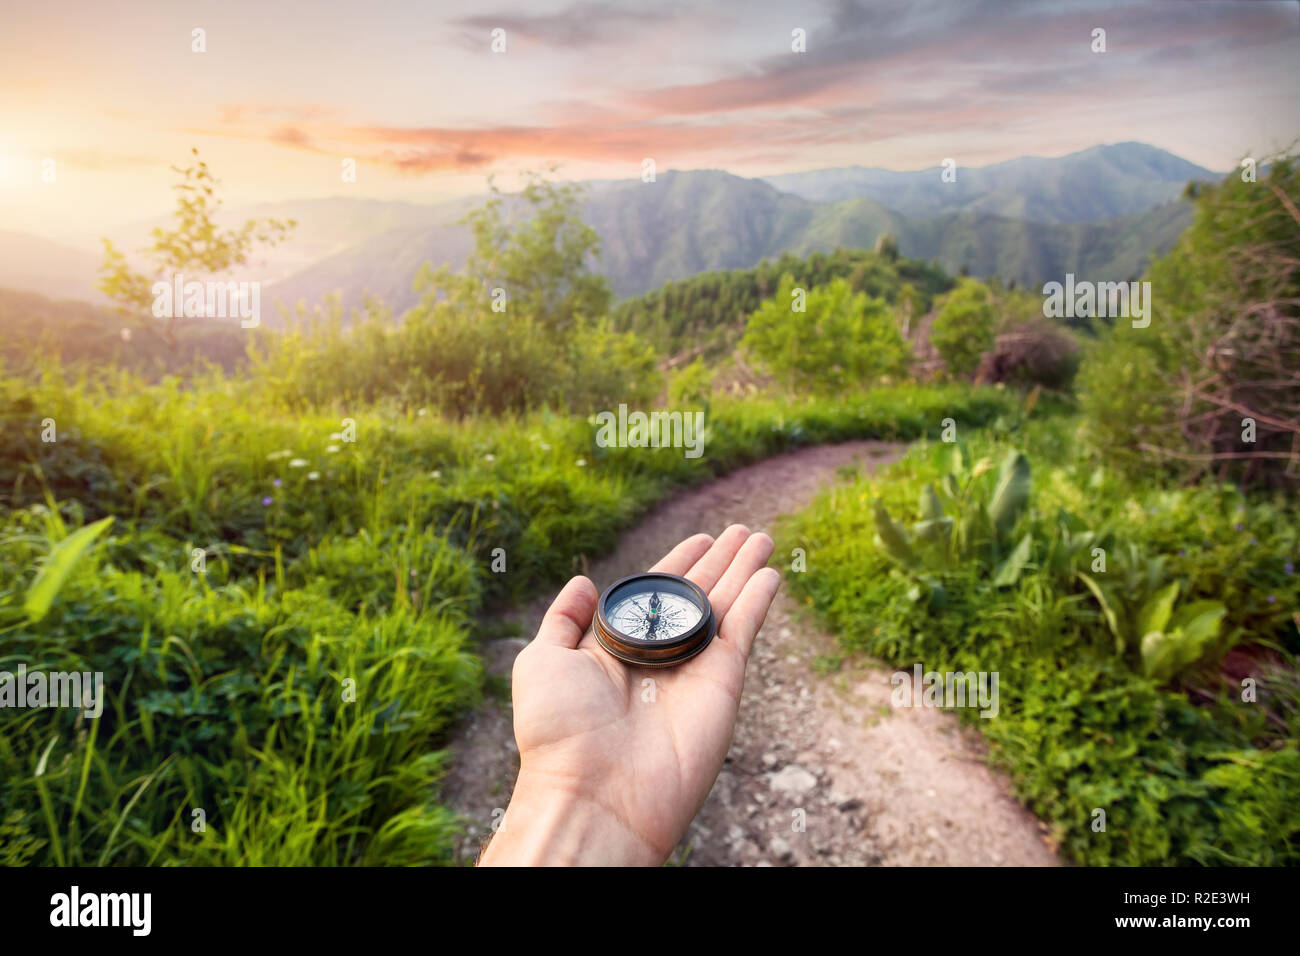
(876, 785)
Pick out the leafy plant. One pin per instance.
(962, 521)
(60, 562)
(1184, 775)
(1138, 608)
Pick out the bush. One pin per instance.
(1028, 354)
(963, 330)
(1214, 381)
(838, 340)
(691, 386)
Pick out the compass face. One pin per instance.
(654, 619)
(653, 615)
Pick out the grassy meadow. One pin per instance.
(257, 563)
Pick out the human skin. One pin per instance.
(612, 768)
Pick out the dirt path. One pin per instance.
(876, 785)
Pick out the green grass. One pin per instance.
(1186, 771)
(297, 689)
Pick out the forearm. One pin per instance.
(548, 826)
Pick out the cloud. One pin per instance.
(581, 25)
(871, 72)
(295, 137)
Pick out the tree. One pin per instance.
(524, 324)
(911, 304)
(540, 260)
(965, 327)
(195, 247)
(887, 246)
(841, 339)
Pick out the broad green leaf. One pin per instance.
(892, 537)
(951, 487)
(1191, 632)
(58, 564)
(1009, 571)
(1110, 610)
(957, 458)
(1200, 620)
(931, 509)
(1165, 654)
(1155, 613)
(937, 530)
(971, 529)
(1012, 493)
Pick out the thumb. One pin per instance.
(569, 615)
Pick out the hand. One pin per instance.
(612, 770)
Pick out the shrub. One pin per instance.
(963, 329)
(840, 340)
(1028, 354)
(1214, 381)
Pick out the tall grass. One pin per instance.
(286, 619)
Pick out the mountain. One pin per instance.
(1100, 210)
(53, 269)
(1104, 182)
(691, 222)
(325, 227)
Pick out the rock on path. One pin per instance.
(822, 771)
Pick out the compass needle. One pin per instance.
(655, 619)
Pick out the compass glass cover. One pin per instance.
(653, 608)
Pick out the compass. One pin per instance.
(654, 619)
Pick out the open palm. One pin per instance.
(637, 747)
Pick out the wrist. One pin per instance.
(547, 825)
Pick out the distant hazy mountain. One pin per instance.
(691, 222)
(325, 228)
(52, 269)
(1104, 182)
(1101, 210)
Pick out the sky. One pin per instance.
(115, 93)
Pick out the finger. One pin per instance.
(750, 608)
(679, 560)
(569, 615)
(753, 554)
(708, 569)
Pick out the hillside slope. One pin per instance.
(691, 222)
(1104, 182)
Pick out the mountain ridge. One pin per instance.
(1031, 218)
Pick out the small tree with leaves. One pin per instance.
(965, 327)
(194, 246)
(535, 248)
